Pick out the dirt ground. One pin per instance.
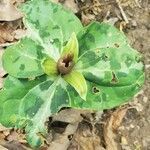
(123, 128)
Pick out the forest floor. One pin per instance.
(123, 128)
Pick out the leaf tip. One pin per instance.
(83, 93)
(84, 96)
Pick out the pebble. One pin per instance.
(124, 141)
(145, 99)
(139, 107)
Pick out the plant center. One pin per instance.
(65, 64)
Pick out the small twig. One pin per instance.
(137, 3)
(6, 44)
(122, 12)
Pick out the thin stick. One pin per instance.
(122, 12)
(6, 44)
(137, 3)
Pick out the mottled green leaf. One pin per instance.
(109, 61)
(76, 80)
(34, 102)
(105, 97)
(14, 89)
(39, 103)
(111, 66)
(50, 24)
(23, 59)
(71, 48)
(97, 36)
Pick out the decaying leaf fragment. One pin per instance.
(71, 5)
(6, 34)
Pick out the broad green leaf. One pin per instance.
(71, 48)
(76, 80)
(14, 89)
(34, 102)
(9, 112)
(39, 103)
(111, 66)
(108, 65)
(23, 59)
(105, 97)
(50, 67)
(50, 24)
(97, 36)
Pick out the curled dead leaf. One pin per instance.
(111, 125)
(118, 116)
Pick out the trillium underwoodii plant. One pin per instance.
(59, 64)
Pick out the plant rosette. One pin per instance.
(59, 64)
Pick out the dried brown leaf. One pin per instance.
(86, 138)
(8, 12)
(118, 116)
(6, 33)
(2, 128)
(15, 145)
(61, 141)
(70, 116)
(86, 19)
(16, 136)
(111, 125)
(3, 148)
(71, 5)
